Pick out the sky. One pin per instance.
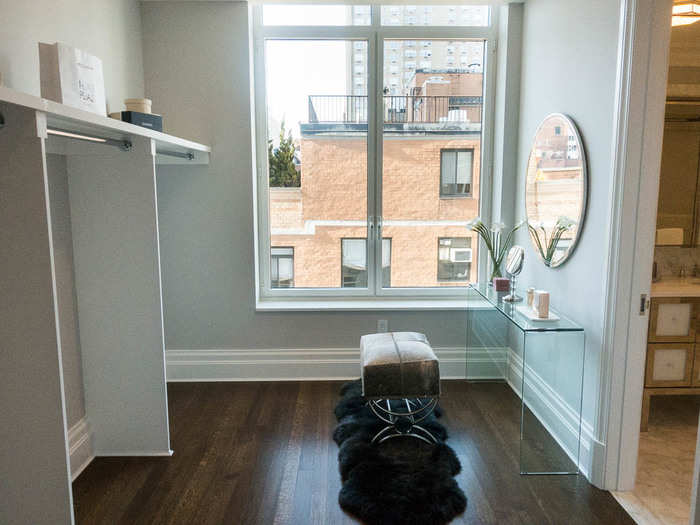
(296, 69)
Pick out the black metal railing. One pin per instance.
(403, 109)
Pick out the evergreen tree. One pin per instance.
(283, 172)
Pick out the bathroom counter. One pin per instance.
(676, 287)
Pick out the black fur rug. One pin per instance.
(401, 481)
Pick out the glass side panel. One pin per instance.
(514, 311)
(551, 369)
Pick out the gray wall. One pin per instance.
(206, 218)
(109, 29)
(65, 288)
(569, 66)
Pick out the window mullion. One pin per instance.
(378, 125)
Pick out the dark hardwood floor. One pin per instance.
(249, 453)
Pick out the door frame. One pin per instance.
(643, 55)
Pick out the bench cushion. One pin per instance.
(398, 365)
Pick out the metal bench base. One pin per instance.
(402, 419)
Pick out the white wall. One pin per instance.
(206, 218)
(569, 66)
(109, 29)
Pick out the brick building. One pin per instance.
(430, 188)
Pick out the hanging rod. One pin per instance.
(123, 145)
(188, 155)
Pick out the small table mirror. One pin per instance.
(514, 265)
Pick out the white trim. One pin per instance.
(134, 453)
(80, 447)
(641, 89)
(318, 364)
(346, 304)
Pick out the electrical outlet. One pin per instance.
(382, 325)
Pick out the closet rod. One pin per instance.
(123, 145)
(188, 155)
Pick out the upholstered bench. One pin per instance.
(401, 382)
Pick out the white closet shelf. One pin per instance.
(77, 121)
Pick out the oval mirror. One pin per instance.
(514, 260)
(555, 189)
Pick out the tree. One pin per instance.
(283, 171)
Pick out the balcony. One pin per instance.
(404, 109)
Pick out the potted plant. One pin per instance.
(493, 239)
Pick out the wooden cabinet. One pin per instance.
(673, 355)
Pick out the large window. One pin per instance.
(365, 133)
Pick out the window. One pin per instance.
(456, 173)
(454, 258)
(354, 262)
(282, 267)
(346, 177)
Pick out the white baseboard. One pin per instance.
(559, 418)
(80, 447)
(308, 364)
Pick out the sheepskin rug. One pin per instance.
(401, 481)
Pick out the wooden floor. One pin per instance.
(249, 453)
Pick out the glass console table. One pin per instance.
(542, 362)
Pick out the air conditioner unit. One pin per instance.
(461, 255)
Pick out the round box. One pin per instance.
(141, 105)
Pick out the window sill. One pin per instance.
(363, 305)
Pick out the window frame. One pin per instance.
(468, 195)
(374, 34)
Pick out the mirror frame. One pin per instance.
(584, 201)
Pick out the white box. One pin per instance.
(72, 77)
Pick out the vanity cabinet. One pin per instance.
(673, 350)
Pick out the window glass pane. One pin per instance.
(435, 15)
(316, 93)
(282, 267)
(447, 170)
(432, 154)
(464, 167)
(316, 15)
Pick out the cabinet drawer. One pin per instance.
(669, 364)
(695, 378)
(673, 320)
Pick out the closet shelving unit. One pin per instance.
(111, 171)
